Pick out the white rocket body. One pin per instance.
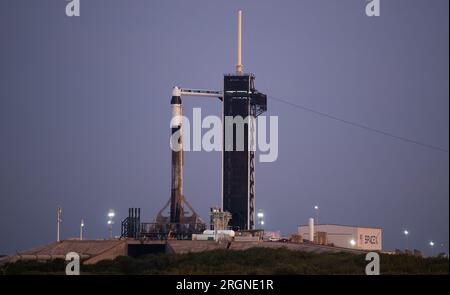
(176, 125)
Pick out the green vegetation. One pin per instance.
(251, 261)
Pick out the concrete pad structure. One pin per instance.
(93, 251)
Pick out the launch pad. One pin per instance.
(239, 99)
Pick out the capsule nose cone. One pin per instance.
(176, 96)
(176, 91)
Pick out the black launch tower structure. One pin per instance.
(240, 100)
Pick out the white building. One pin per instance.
(363, 238)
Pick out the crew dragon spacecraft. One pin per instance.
(238, 98)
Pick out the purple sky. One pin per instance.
(84, 112)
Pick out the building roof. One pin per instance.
(334, 224)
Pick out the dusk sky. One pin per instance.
(85, 112)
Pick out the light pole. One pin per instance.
(110, 222)
(260, 216)
(81, 229)
(432, 247)
(406, 233)
(58, 221)
(316, 209)
(111, 215)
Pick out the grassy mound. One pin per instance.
(251, 261)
